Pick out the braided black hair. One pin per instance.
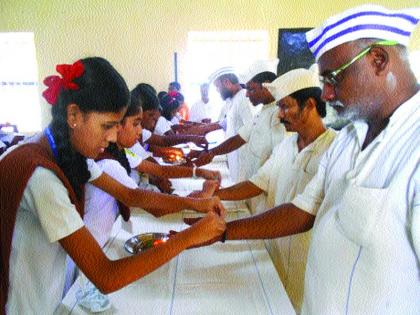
(101, 89)
(119, 155)
(169, 105)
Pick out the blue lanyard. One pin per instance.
(51, 141)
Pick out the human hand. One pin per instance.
(193, 154)
(206, 230)
(204, 158)
(209, 187)
(163, 184)
(212, 204)
(210, 175)
(200, 141)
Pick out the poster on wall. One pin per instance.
(293, 51)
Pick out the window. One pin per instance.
(210, 51)
(19, 102)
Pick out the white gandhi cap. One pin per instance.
(293, 81)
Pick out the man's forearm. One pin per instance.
(228, 146)
(286, 219)
(178, 138)
(200, 129)
(240, 191)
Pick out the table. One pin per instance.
(237, 277)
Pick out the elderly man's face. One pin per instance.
(353, 94)
(222, 88)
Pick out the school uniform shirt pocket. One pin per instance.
(360, 212)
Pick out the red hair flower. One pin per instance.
(56, 83)
(173, 94)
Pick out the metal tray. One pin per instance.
(181, 161)
(142, 242)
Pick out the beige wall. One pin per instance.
(140, 36)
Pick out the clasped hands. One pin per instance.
(213, 221)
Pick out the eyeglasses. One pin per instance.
(332, 76)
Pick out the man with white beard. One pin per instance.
(363, 205)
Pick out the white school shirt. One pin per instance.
(37, 262)
(101, 209)
(282, 177)
(140, 154)
(364, 254)
(162, 126)
(239, 114)
(176, 119)
(145, 135)
(135, 156)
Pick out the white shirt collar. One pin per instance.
(268, 106)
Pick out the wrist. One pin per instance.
(192, 204)
(194, 171)
(199, 172)
(186, 238)
(223, 237)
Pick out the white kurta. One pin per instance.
(37, 260)
(282, 177)
(363, 258)
(200, 110)
(239, 114)
(162, 126)
(261, 136)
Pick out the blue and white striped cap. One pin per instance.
(366, 21)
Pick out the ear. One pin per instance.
(226, 83)
(73, 115)
(379, 59)
(310, 104)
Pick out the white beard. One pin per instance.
(352, 113)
